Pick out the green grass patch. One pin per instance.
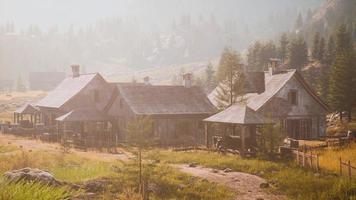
(23, 190)
(291, 180)
(168, 183)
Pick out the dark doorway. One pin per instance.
(298, 128)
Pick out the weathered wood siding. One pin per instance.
(307, 107)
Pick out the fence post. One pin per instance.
(298, 157)
(349, 169)
(340, 166)
(311, 159)
(303, 154)
(317, 162)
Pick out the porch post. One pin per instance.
(243, 133)
(206, 126)
(14, 118)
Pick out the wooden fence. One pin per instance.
(309, 159)
(349, 167)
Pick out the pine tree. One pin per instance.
(253, 55)
(283, 45)
(210, 80)
(316, 46)
(321, 51)
(299, 22)
(342, 80)
(330, 51)
(231, 79)
(297, 53)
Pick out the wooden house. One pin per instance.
(176, 111)
(286, 98)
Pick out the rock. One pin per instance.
(227, 170)
(259, 198)
(193, 164)
(96, 186)
(29, 174)
(264, 185)
(214, 170)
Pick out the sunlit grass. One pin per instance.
(8, 148)
(330, 158)
(66, 167)
(291, 180)
(32, 191)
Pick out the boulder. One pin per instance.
(29, 174)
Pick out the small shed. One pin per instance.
(237, 115)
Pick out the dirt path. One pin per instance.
(31, 144)
(246, 185)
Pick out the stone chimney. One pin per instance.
(75, 70)
(272, 66)
(187, 78)
(146, 80)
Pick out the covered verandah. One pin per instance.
(27, 116)
(241, 120)
(86, 128)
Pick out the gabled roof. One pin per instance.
(274, 83)
(238, 114)
(67, 89)
(83, 114)
(165, 100)
(27, 109)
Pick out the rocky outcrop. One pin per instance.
(29, 174)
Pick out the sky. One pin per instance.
(63, 13)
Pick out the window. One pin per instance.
(96, 96)
(293, 97)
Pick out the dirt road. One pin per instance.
(246, 185)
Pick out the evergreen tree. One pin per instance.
(253, 61)
(283, 45)
(299, 22)
(316, 46)
(321, 51)
(297, 53)
(231, 79)
(342, 93)
(330, 51)
(210, 80)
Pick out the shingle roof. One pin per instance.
(238, 114)
(83, 114)
(67, 89)
(273, 84)
(26, 109)
(163, 100)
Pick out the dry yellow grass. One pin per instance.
(329, 158)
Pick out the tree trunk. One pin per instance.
(340, 116)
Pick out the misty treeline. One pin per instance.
(114, 43)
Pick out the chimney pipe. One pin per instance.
(75, 70)
(187, 78)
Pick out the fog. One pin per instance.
(112, 36)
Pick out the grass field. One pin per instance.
(169, 183)
(329, 158)
(291, 180)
